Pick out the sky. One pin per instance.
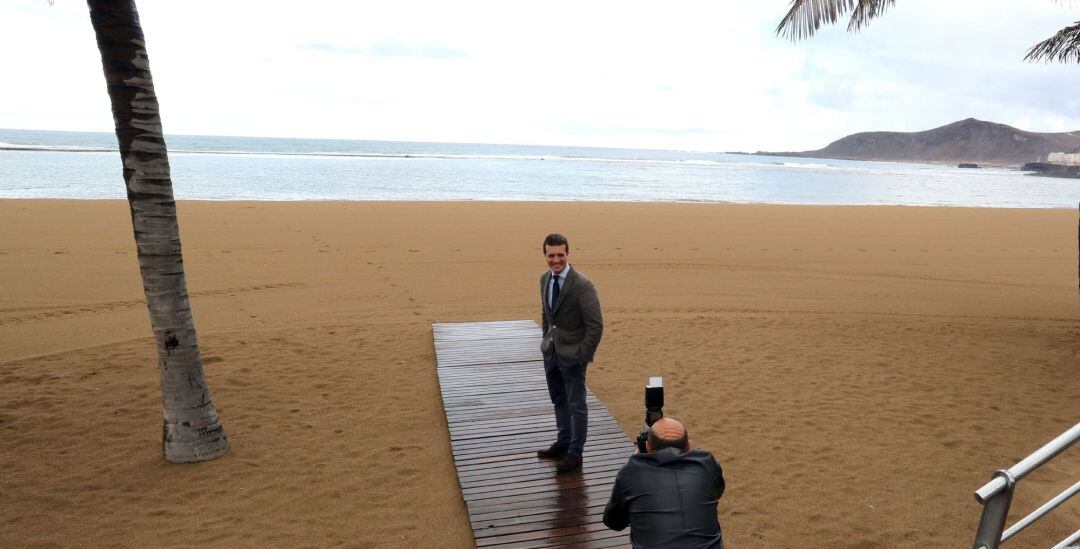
(686, 75)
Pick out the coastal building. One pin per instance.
(1058, 164)
(1068, 159)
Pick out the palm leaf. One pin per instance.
(805, 17)
(1063, 47)
(865, 11)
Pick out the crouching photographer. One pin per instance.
(667, 495)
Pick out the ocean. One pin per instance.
(85, 165)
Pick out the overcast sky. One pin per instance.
(695, 75)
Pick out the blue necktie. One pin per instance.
(554, 291)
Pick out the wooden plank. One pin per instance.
(495, 423)
(592, 539)
(607, 450)
(547, 417)
(528, 458)
(510, 518)
(542, 522)
(469, 383)
(534, 486)
(504, 476)
(505, 517)
(542, 492)
(526, 351)
(551, 536)
(495, 402)
(517, 384)
(472, 448)
(498, 414)
(500, 445)
(597, 458)
(487, 464)
(579, 497)
(531, 503)
(522, 366)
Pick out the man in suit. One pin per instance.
(572, 326)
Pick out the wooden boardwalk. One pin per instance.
(499, 414)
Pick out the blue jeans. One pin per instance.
(566, 387)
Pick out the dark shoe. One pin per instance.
(554, 452)
(569, 463)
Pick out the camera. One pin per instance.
(654, 409)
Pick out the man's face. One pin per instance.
(556, 257)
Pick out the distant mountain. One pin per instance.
(969, 141)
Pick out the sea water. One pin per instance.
(80, 165)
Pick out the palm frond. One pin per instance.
(805, 17)
(1063, 47)
(865, 11)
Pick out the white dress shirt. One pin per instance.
(562, 283)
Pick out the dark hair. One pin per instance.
(657, 443)
(555, 239)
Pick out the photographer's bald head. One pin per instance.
(667, 433)
(667, 495)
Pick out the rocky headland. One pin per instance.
(968, 141)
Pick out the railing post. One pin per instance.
(995, 511)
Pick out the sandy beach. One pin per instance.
(857, 371)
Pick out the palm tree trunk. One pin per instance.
(192, 429)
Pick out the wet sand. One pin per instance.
(858, 371)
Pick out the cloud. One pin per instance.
(389, 49)
(701, 74)
(592, 129)
(331, 48)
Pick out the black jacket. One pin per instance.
(668, 498)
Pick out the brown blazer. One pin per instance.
(572, 330)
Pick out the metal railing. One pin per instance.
(996, 495)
